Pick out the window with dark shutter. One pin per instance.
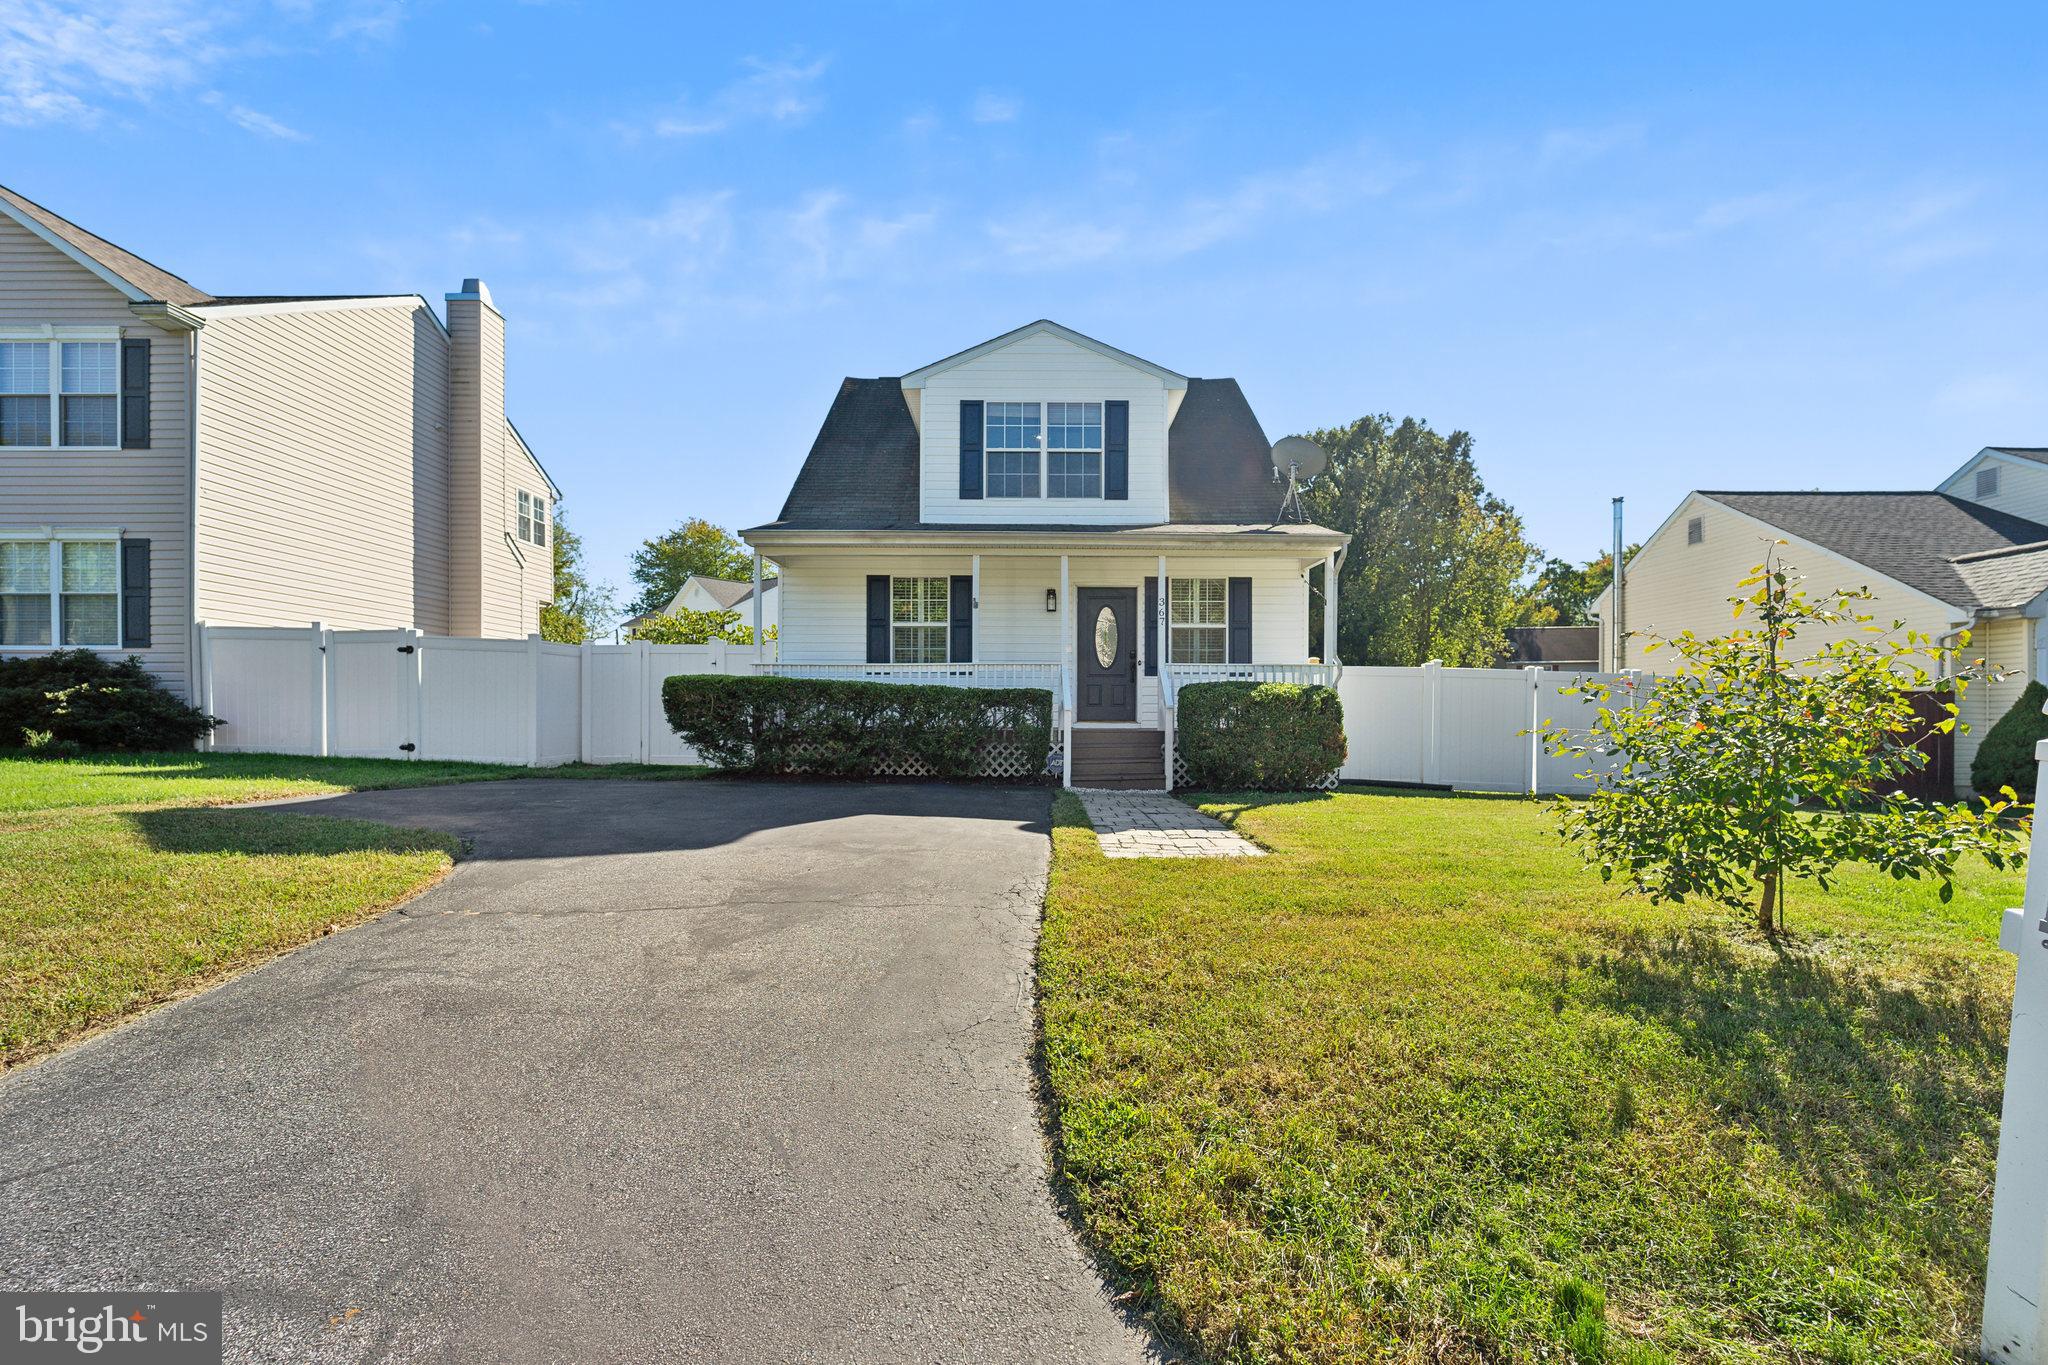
(962, 641)
(1116, 449)
(970, 448)
(1240, 620)
(135, 593)
(135, 393)
(878, 618)
(1151, 627)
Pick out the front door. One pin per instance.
(1108, 651)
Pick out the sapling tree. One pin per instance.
(1760, 761)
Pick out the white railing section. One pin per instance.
(1046, 676)
(1322, 675)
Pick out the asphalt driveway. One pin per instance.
(664, 1071)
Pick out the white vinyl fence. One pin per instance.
(1470, 728)
(400, 694)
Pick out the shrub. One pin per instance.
(2006, 757)
(827, 728)
(1237, 736)
(74, 699)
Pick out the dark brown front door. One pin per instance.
(1108, 651)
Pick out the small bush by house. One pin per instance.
(2006, 757)
(75, 700)
(1237, 736)
(829, 728)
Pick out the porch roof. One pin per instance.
(1281, 537)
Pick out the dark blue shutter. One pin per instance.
(878, 618)
(961, 644)
(970, 447)
(1116, 449)
(1240, 620)
(135, 593)
(135, 393)
(1151, 627)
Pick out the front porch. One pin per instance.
(1113, 637)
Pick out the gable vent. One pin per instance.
(1695, 530)
(1987, 481)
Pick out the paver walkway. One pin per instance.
(1155, 825)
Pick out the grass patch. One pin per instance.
(121, 888)
(1418, 1087)
(190, 778)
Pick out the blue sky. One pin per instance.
(1632, 250)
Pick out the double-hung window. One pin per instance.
(1198, 620)
(1073, 450)
(917, 620)
(533, 519)
(1013, 449)
(64, 592)
(60, 394)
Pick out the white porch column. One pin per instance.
(1330, 612)
(2016, 1278)
(1161, 642)
(759, 643)
(1066, 676)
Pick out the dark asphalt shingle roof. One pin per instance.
(862, 472)
(1911, 536)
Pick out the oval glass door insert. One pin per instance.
(1105, 637)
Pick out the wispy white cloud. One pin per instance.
(781, 91)
(66, 62)
(990, 107)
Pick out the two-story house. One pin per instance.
(169, 456)
(1046, 510)
(1970, 554)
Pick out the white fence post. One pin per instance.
(583, 698)
(2016, 1276)
(1432, 720)
(316, 636)
(1535, 720)
(410, 671)
(644, 667)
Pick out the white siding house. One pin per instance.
(1045, 510)
(270, 460)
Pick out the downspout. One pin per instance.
(194, 639)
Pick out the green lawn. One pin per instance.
(1418, 1087)
(121, 884)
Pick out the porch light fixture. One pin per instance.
(1052, 599)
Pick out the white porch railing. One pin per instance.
(1184, 674)
(1046, 676)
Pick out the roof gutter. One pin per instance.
(170, 317)
(1105, 542)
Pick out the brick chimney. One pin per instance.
(476, 455)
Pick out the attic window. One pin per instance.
(1695, 530)
(1987, 481)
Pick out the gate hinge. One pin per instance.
(405, 649)
(405, 748)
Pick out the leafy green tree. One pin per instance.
(688, 627)
(1755, 763)
(1434, 557)
(1563, 593)
(696, 546)
(582, 610)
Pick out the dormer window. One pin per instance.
(1013, 450)
(1073, 450)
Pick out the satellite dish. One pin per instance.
(1300, 457)
(1296, 460)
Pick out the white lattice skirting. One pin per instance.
(1181, 780)
(1004, 760)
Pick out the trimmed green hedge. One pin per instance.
(821, 727)
(76, 700)
(1240, 736)
(2006, 756)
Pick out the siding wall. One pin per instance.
(2022, 487)
(2006, 642)
(323, 483)
(824, 607)
(144, 492)
(1043, 369)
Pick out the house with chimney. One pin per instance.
(170, 457)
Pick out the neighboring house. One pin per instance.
(1045, 510)
(1971, 554)
(1552, 647)
(169, 456)
(700, 593)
